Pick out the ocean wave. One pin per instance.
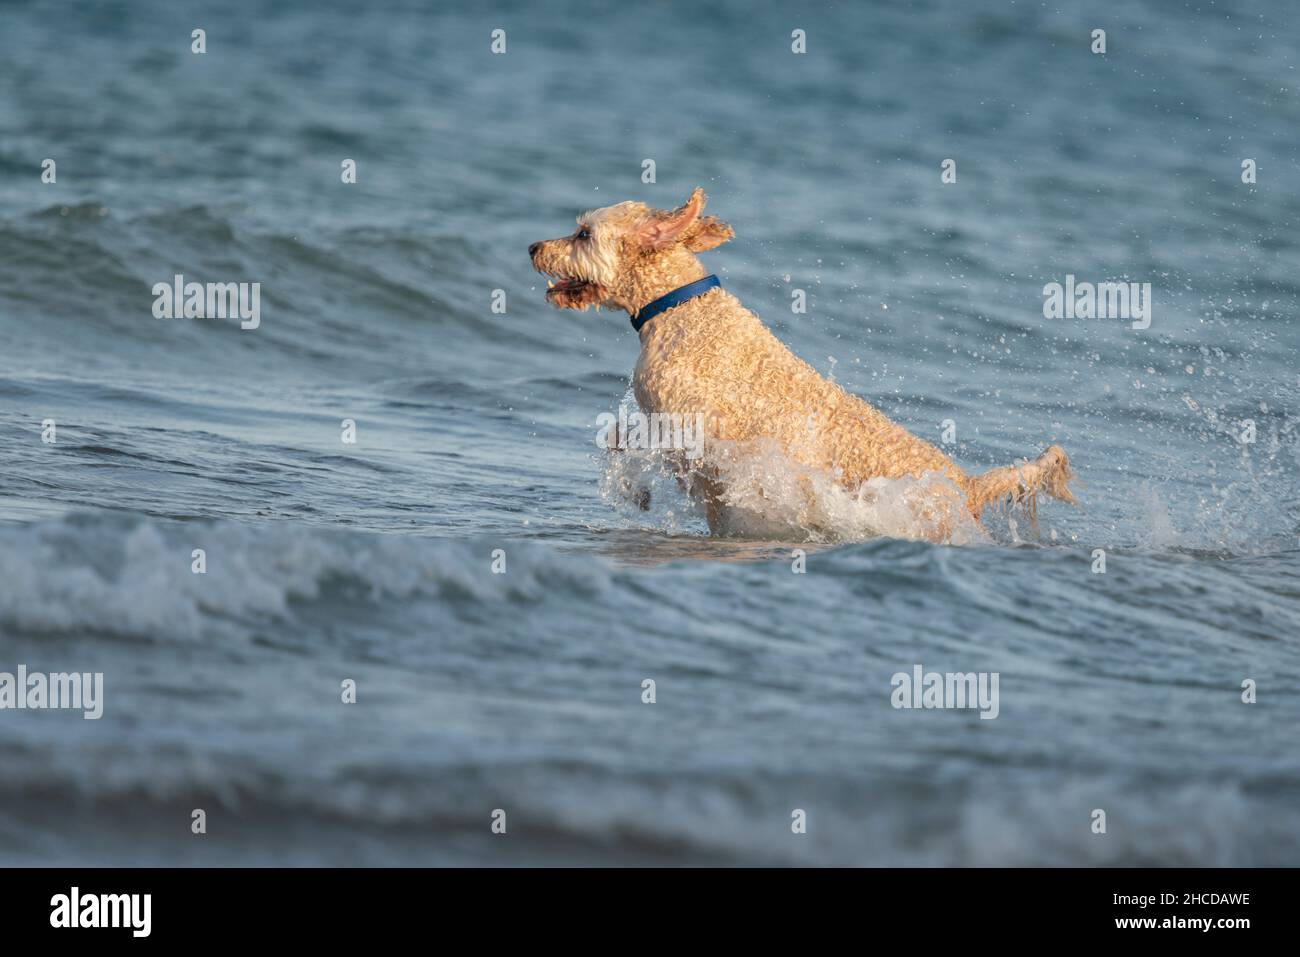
(87, 252)
(567, 812)
(134, 577)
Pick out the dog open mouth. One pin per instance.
(569, 292)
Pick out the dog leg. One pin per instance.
(637, 494)
(704, 488)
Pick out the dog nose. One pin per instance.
(532, 250)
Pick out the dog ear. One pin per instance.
(708, 233)
(665, 228)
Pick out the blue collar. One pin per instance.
(674, 298)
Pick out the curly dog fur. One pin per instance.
(712, 355)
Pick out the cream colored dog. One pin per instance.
(709, 354)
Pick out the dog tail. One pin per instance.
(1050, 473)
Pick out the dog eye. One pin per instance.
(584, 233)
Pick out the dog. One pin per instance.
(704, 352)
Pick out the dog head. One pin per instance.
(628, 254)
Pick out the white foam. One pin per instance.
(133, 577)
(769, 496)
